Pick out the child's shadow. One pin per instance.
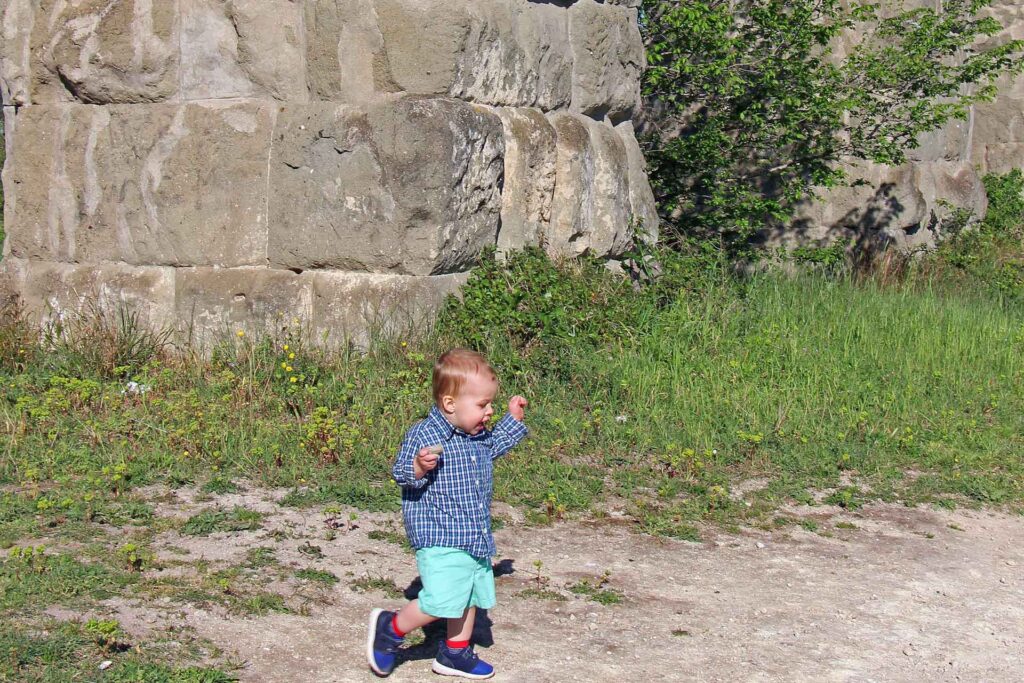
(437, 631)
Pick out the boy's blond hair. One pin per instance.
(454, 367)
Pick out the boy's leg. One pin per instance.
(461, 630)
(411, 617)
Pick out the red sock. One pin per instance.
(456, 644)
(394, 627)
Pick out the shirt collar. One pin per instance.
(449, 430)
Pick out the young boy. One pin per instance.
(445, 470)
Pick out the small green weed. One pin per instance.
(213, 521)
(219, 486)
(263, 556)
(597, 590)
(317, 575)
(377, 583)
(390, 535)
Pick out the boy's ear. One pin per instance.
(448, 404)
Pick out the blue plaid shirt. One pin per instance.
(451, 505)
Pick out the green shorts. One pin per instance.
(452, 581)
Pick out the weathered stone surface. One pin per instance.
(345, 55)
(9, 198)
(155, 184)
(53, 291)
(590, 208)
(238, 164)
(501, 53)
(242, 48)
(642, 206)
(999, 134)
(529, 178)
(349, 307)
(329, 308)
(608, 57)
(899, 206)
(212, 304)
(102, 51)
(408, 186)
(17, 18)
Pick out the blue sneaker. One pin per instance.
(462, 663)
(381, 642)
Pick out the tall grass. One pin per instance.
(819, 385)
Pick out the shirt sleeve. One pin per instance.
(403, 471)
(506, 434)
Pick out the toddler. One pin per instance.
(445, 469)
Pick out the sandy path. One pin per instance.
(909, 595)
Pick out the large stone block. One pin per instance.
(608, 57)
(529, 178)
(212, 304)
(642, 205)
(408, 186)
(242, 48)
(345, 56)
(349, 308)
(329, 308)
(900, 206)
(145, 184)
(5, 172)
(17, 18)
(52, 292)
(102, 51)
(590, 208)
(512, 53)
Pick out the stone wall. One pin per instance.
(226, 164)
(904, 206)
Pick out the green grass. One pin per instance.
(377, 583)
(66, 651)
(666, 398)
(34, 581)
(317, 576)
(596, 590)
(213, 521)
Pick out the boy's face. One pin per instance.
(472, 408)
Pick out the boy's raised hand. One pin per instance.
(517, 407)
(425, 460)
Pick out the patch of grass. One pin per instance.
(377, 583)
(596, 590)
(357, 493)
(846, 525)
(220, 486)
(32, 578)
(317, 575)
(213, 521)
(664, 397)
(67, 651)
(263, 556)
(259, 604)
(533, 593)
(390, 535)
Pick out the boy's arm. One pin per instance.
(404, 471)
(506, 433)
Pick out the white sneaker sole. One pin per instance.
(371, 635)
(439, 668)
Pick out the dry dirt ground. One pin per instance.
(906, 595)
